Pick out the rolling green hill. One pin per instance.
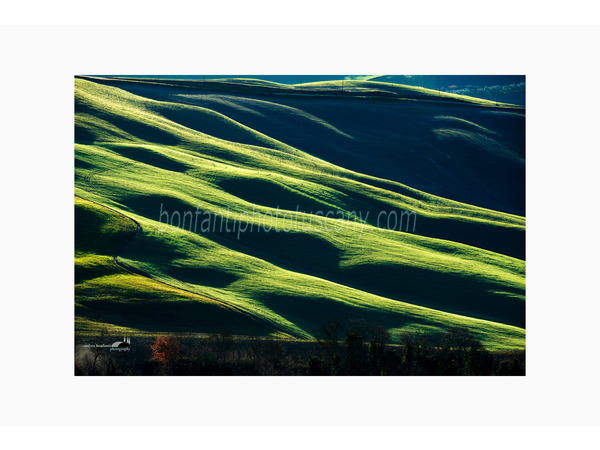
(456, 147)
(262, 208)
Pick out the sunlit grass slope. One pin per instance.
(108, 296)
(150, 150)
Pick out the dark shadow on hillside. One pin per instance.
(212, 125)
(504, 240)
(150, 206)
(173, 315)
(202, 276)
(140, 130)
(81, 164)
(95, 231)
(83, 135)
(296, 251)
(270, 194)
(149, 157)
(311, 312)
(455, 293)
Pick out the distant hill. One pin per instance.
(498, 88)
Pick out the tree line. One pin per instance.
(354, 348)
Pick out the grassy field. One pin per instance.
(265, 209)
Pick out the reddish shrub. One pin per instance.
(166, 349)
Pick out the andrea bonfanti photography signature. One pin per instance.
(117, 346)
